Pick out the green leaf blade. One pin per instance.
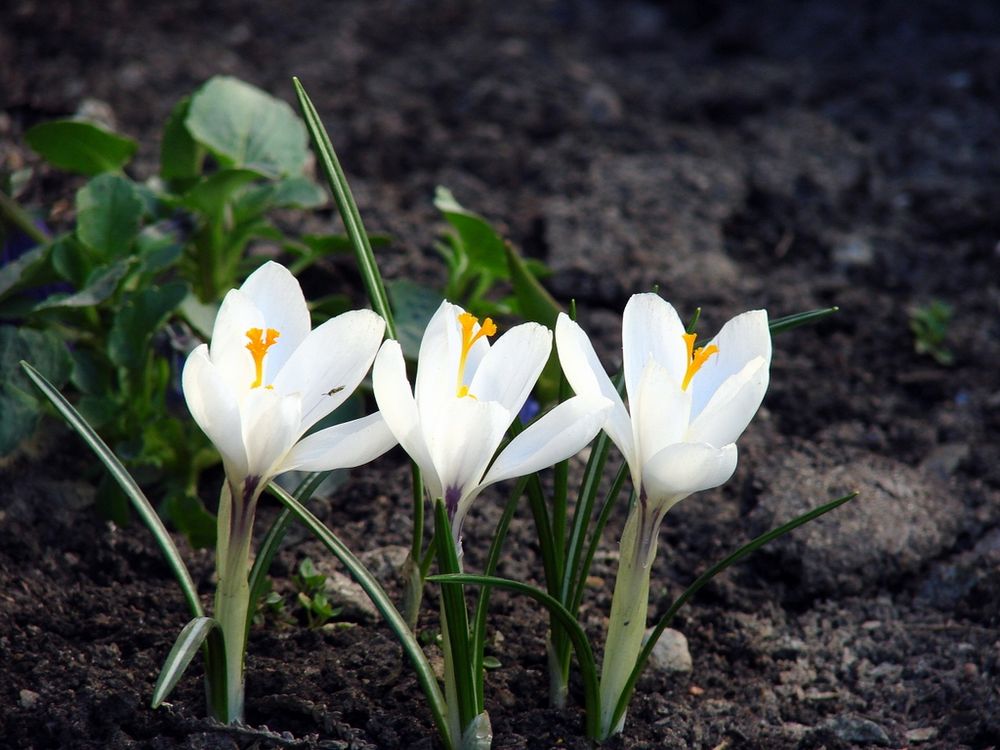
(108, 213)
(139, 501)
(189, 641)
(80, 147)
(246, 127)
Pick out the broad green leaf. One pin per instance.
(108, 212)
(20, 416)
(533, 300)
(212, 193)
(80, 147)
(485, 248)
(128, 485)
(291, 192)
(43, 347)
(246, 127)
(298, 192)
(188, 642)
(71, 261)
(102, 284)
(180, 156)
(142, 313)
(158, 248)
(188, 514)
(200, 315)
(18, 271)
(414, 304)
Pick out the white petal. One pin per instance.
(741, 340)
(512, 365)
(270, 428)
(587, 377)
(660, 411)
(463, 440)
(651, 329)
(237, 315)
(278, 296)
(558, 435)
(732, 406)
(214, 407)
(342, 446)
(331, 362)
(437, 362)
(398, 408)
(683, 468)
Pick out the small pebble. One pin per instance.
(29, 699)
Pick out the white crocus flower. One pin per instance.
(264, 380)
(687, 407)
(467, 394)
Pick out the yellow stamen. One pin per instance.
(467, 321)
(258, 346)
(696, 357)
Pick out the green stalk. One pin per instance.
(18, 217)
(382, 602)
(629, 605)
(465, 713)
(232, 593)
(626, 695)
(413, 591)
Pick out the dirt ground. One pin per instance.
(788, 155)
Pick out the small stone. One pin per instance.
(342, 591)
(923, 734)
(853, 252)
(29, 699)
(857, 730)
(670, 654)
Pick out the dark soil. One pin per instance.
(788, 155)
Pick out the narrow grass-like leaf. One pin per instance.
(703, 579)
(272, 541)
(188, 642)
(788, 322)
(348, 209)
(584, 653)
(382, 602)
(456, 623)
(128, 485)
(492, 560)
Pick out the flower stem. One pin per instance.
(232, 593)
(629, 604)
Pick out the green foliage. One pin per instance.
(929, 325)
(81, 147)
(109, 306)
(311, 596)
(480, 261)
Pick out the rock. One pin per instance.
(670, 654)
(902, 519)
(923, 734)
(385, 563)
(856, 730)
(29, 699)
(342, 591)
